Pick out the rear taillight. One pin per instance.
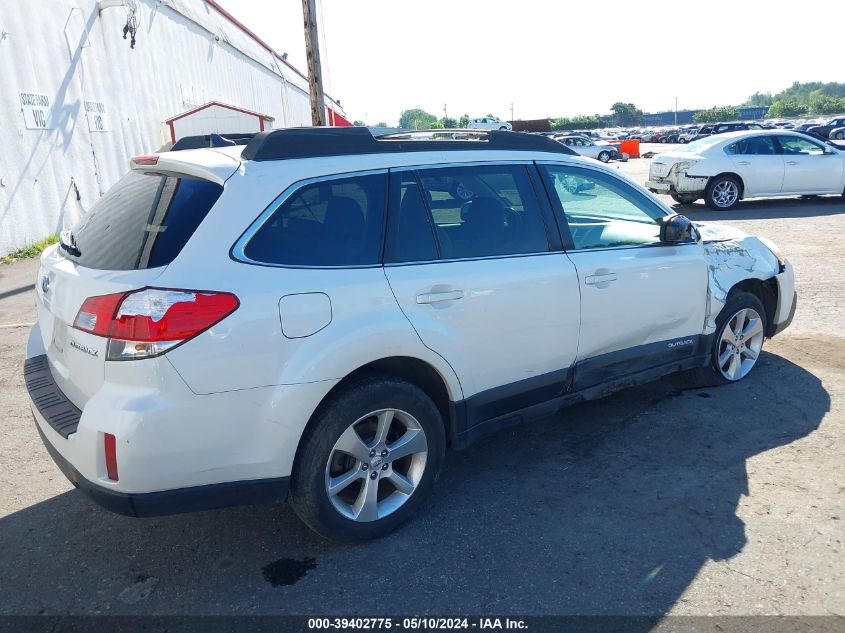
(150, 321)
(96, 314)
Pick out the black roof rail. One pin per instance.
(312, 142)
(212, 140)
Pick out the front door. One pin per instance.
(642, 302)
(808, 168)
(470, 257)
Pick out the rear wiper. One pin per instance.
(68, 242)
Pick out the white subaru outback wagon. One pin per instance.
(317, 315)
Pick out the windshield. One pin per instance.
(143, 221)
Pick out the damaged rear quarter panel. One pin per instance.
(732, 256)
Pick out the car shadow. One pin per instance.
(610, 507)
(765, 208)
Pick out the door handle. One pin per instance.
(743, 162)
(792, 162)
(437, 297)
(594, 280)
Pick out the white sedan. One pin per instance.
(489, 123)
(725, 168)
(600, 150)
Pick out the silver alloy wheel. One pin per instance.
(604, 157)
(376, 465)
(740, 344)
(725, 194)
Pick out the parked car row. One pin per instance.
(825, 127)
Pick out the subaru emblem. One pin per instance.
(45, 284)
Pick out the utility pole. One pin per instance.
(445, 114)
(676, 110)
(511, 111)
(312, 53)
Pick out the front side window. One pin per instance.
(484, 211)
(335, 222)
(796, 145)
(602, 211)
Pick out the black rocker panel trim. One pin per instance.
(607, 367)
(590, 379)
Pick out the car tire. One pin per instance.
(349, 422)
(503, 129)
(663, 140)
(684, 198)
(840, 136)
(604, 157)
(725, 355)
(723, 192)
(683, 141)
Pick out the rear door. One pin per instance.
(758, 161)
(808, 168)
(123, 243)
(474, 262)
(642, 302)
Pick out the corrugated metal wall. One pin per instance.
(71, 51)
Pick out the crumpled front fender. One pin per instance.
(732, 256)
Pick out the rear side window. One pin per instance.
(335, 222)
(755, 145)
(409, 233)
(143, 221)
(484, 211)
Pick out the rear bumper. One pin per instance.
(57, 421)
(193, 499)
(679, 183)
(658, 187)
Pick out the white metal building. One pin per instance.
(77, 100)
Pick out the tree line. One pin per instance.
(419, 119)
(624, 114)
(800, 99)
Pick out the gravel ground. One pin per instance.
(657, 500)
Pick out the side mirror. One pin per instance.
(678, 229)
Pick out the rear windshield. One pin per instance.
(144, 221)
(700, 145)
